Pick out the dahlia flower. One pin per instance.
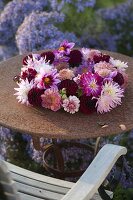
(70, 86)
(111, 95)
(29, 74)
(49, 56)
(87, 104)
(91, 84)
(23, 90)
(103, 65)
(90, 53)
(65, 47)
(71, 104)
(34, 96)
(75, 58)
(66, 74)
(46, 80)
(51, 99)
(121, 66)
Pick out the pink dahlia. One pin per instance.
(51, 99)
(103, 65)
(110, 97)
(89, 54)
(91, 84)
(66, 74)
(71, 104)
(47, 80)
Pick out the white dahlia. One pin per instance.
(121, 66)
(22, 91)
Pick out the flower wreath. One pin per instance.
(83, 80)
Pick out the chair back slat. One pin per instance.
(8, 189)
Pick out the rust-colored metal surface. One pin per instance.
(44, 122)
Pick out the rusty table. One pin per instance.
(39, 122)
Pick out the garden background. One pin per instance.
(30, 25)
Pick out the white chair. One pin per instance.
(17, 183)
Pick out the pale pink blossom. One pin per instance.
(51, 99)
(103, 65)
(90, 53)
(71, 104)
(66, 74)
(77, 79)
(110, 97)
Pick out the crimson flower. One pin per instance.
(49, 56)
(119, 79)
(26, 58)
(34, 96)
(75, 58)
(29, 74)
(87, 104)
(102, 57)
(70, 86)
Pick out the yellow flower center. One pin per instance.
(46, 80)
(93, 85)
(61, 48)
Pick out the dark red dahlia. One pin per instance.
(87, 104)
(70, 86)
(29, 74)
(102, 57)
(75, 58)
(119, 79)
(49, 56)
(34, 96)
(25, 59)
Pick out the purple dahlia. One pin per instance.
(91, 84)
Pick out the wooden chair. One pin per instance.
(18, 183)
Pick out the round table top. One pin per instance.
(44, 122)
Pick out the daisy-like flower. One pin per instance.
(91, 84)
(51, 99)
(121, 66)
(23, 90)
(46, 80)
(31, 60)
(71, 104)
(110, 97)
(66, 74)
(65, 47)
